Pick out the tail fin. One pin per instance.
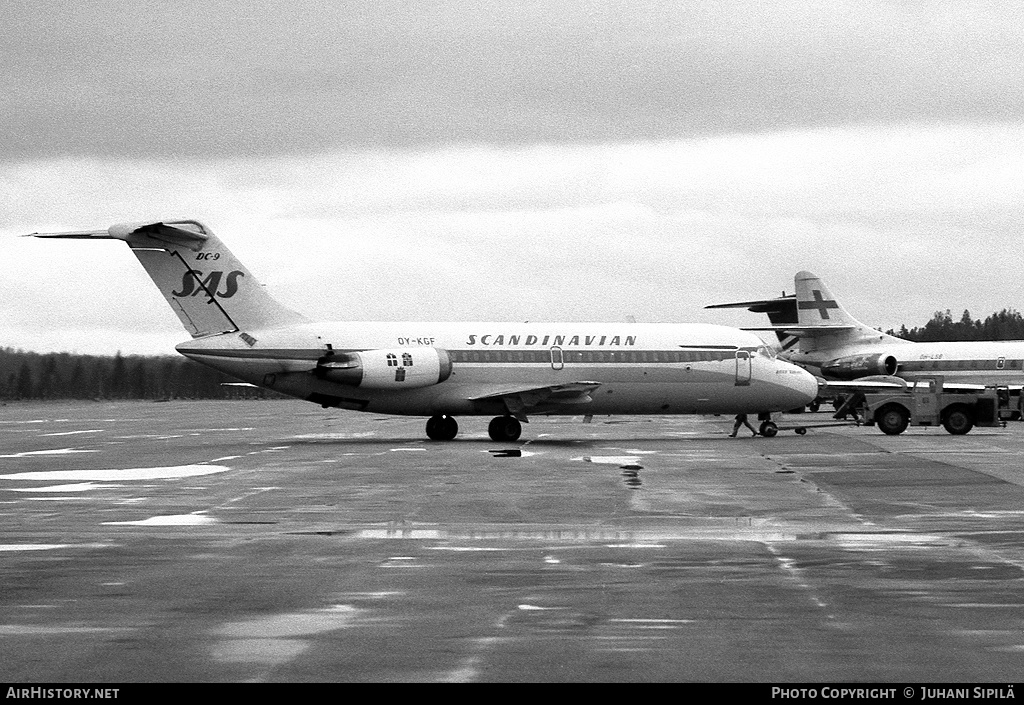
(817, 307)
(210, 290)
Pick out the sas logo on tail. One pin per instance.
(210, 284)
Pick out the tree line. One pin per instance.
(1008, 324)
(30, 375)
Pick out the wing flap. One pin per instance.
(558, 391)
(519, 400)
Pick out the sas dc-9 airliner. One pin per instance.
(444, 370)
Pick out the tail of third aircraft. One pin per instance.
(208, 288)
(819, 314)
(816, 306)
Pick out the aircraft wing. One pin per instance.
(519, 400)
(878, 383)
(895, 384)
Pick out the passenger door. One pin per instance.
(556, 358)
(743, 368)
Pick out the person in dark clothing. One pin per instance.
(741, 420)
(850, 406)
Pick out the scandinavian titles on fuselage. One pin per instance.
(559, 340)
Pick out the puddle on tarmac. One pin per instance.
(77, 487)
(277, 639)
(160, 473)
(48, 630)
(335, 436)
(610, 459)
(55, 451)
(262, 651)
(196, 519)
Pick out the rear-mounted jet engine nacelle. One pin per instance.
(857, 366)
(397, 368)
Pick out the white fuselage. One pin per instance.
(633, 368)
(975, 362)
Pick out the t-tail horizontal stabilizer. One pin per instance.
(208, 288)
(781, 312)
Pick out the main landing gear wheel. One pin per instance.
(769, 429)
(442, 428)
(504, 428)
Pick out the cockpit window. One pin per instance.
(760, 351)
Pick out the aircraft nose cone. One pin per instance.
(808, 385)
(801, 384)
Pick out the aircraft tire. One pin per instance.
(504, 428)
(892, 419)
(769, 429)
(958, 420)
(442, 428)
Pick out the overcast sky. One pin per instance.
(513, 160)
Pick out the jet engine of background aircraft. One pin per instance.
(855, 366)
(386, 369)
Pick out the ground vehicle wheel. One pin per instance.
(504, 428)
(442, 428)
(801, 431)
(769, 429)
(958, 420)
(892, 419)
